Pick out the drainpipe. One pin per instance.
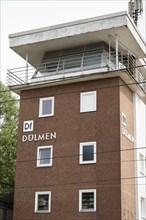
(117, 62)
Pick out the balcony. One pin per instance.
(76, 63)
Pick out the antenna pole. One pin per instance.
(135, 9)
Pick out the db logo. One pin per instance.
(28, 126)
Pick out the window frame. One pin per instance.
(36, 202)
(82, 144)
(83, 94)
(141, 163)
(80, 200)
(142, 206)
(38, 156)
(41, 115)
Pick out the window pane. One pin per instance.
(51, 65)
(45, 155)
(143, 215)
(43, 202)
(141, 156)
(46, 107)
(88, 153)
(92, 60)
(88, 200)
(72, 61)
(88, 101)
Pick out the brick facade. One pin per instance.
(66, 176)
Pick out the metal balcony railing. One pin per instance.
(95, 61)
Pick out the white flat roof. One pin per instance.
(81, 32)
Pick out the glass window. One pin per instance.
(44, 156)
(87, 152)
(43, 202)
(72, 62)
(92, 60)
(88, 101)
(141, 163)
(46, 107)
(87, 200)
(143, 208)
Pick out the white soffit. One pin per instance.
(36, 42)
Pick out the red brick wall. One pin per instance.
(66, 177)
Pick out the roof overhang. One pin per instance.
(118, 25)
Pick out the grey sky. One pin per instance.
(17, 16)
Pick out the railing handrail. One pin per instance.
(67, 63)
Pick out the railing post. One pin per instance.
(128, 61)
(122, 57)
(117, 61)
(109, 52)
(82, 62)
(63, 70)
(26, 74)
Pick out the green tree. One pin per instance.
(8, 135)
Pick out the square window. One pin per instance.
(87, 152)
(87, 200)
(88, 101)
(43, 202)
(143, 207)
(46, 107)
(44, 156)
(141, 163)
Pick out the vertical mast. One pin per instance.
(135, 9)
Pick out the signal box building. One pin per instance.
(81, 143)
